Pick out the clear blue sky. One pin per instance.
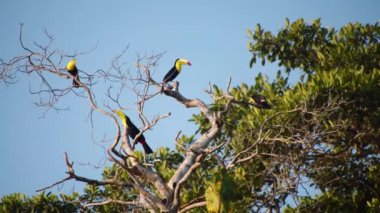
(211, 34)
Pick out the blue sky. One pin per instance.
(211, 34)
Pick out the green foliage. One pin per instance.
(343, 85)
(311, 47)
(167, 161)
(334, 114)
(18, 202)
(373, 205)
(329, 202)
(220, 193)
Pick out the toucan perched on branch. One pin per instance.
(133, 131)
(175, 70)
(73, 70)
(261, 102)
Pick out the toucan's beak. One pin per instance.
(188, 63)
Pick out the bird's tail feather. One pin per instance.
(146, 147)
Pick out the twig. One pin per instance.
(192, 206)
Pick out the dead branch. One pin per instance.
(192, 206)
(72, 175)
(121, 202)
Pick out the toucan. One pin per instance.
(261, 102)
(133, 131)
(175, 70)
(73, 70)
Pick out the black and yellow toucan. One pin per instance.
(261, 102)
(133, 131)
(175, 70)
(73, 70)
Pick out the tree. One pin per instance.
(341, 67)
(321, 132)
(152, 185)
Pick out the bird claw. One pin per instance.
(169, 87)
(166, 87)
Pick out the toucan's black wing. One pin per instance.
(146, 147)
(261, 101)
(173, 72)
(74, 73)
(265, 105)
(133, 130)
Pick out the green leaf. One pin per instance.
(286, 22)
(320, 55)
(249, 32)
(253, 61)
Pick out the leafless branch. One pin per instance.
(109, 201)
(72, 175)
(192, 206)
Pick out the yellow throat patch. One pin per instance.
(122, 117)
(179, 63)
(71, 65)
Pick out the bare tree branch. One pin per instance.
(110, 201)
(72, 175)
(192, 206)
